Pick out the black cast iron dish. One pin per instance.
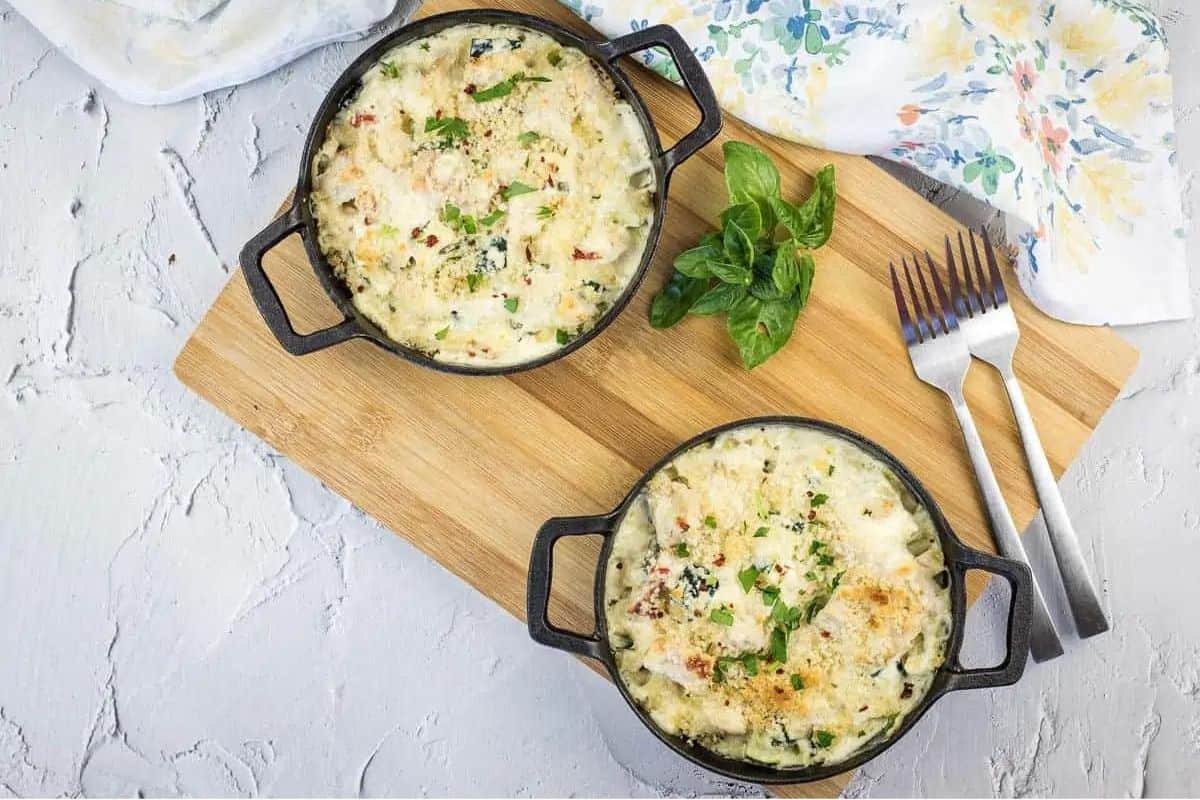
(299, 217)
(951, 675)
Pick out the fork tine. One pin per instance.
(956, 295)
(974, 306)
(906, 323)
(949, 318)
(934, 316)
(925, 332)
(984, 300)
(993, 270)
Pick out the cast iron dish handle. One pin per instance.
(1020, 616)
(267, 299)
(693, 78)
(541, 571)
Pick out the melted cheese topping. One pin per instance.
(484, 231)
(777, 596)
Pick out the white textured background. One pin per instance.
(184, 612)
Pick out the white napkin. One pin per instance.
(1057, 112)
(162, 51)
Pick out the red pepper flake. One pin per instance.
(528, 281)
(469, 88)
(430, 240)
(528, 253)
(864, 708)
(699, 665)
(359, 118)
(437, 114)
(824, 634)
(487, 134)
(812, 514)
(471, 353)
(584, 255)
(416, 233)
(907, 693)
(682, 523)
(719, 560)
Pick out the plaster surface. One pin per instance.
(185, 612)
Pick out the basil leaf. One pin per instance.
(761, 327)
(516, 189)
(501, 89)
(750, 664)
(750, 176)
(797, 681)
(731, 273)
(778, 646)
(694, 263)
(721, 616)
(785, 272)
(747, 577)
(808, 268)
(718, 299)
(811, 223)
(676, 298)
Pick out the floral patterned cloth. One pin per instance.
(1057, 112)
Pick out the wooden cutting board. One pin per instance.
(468, 468)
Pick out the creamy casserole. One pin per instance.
(486, 196)
(777, 596)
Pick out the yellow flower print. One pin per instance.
(1073, 244)
(1026, 124)
(1124, 92)
(1106, 185)
(944, 44)
(1087, 42)
(1008, 20)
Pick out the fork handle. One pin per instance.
(1081, 592)
(1044, 643)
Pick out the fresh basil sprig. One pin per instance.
(760, 280)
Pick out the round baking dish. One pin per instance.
(951, 675)
(298, 218)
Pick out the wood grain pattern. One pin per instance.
(468, 468)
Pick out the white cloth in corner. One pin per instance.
(163, 51)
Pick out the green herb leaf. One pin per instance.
(747, 577)
(449, 128)
(495, 92)
(695, 262)
(814, 607)
(492, 218)
(778, 646)
(672, 303)
(473, 281)
(451, 215)
(511, 304)
(785, 272)
(516, 189)
(750, 176)
(710, 521)
(740, 226)
(468, 224)
(823, 738)
(721, 616)
(442, 333)
(797, 681)
(815, 545)
(681, 550)
(769, 595)
(718, 299)
(389, 69)
(528, 137)
(554, 57)
(761, 532)
(825, 560)
(808, 269)
(545, 212)
(810, 224)
(818, 499)
(760, 328)
(561, 336)
(829, 472)
(750, 664)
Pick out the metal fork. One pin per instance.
(940, 357)
(990, 327)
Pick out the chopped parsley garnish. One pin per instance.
(681, 550)
(492, 218)
(505, 87)
(473, 281)
(770, 595)
(747, 577)
(449, 128)
(761, 532)
(710, 521)
(511, 304)
(815, 546)
(788, 617)
(554, 57)
(750, 664)
(825, 560)
(516, 189)
(818, 500)
(823, 738)
(830, 471)
(545, 212)
(528, 137)
(812, 576)
(561, 336)
(468, 224)
(721, 616)
(814, 607)
(442, 333)
(797, 681)
(451, 215)
(389, 69)
(778, 646)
